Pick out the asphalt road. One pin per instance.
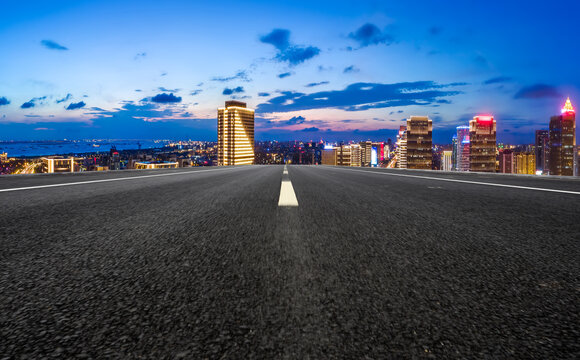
(372, 263)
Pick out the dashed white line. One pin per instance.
(108, 180)
(287, 195)
(468, 182)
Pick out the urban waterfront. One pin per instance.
(289, 180)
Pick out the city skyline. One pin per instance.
(311, 71)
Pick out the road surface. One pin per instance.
(357, 263)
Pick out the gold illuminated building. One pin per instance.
(235, 134)
(525, 163)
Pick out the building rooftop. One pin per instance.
(235, 103)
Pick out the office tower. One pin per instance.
(342, 155)
(349, 155)
(542, 150)
(525, 163)
(377, 153)
(577, 161)
(328, 155)
(355, 155)
(401, 151)
(446, 160)
(114, 159)
(454, 152)
(506, 161)
(462, 148)
(419, 143)
(563, 141)
(482, 147)
(235, 134)
(366, 152)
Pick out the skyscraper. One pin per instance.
(329, 155)
(419, 142)
(454, 152)
(235, 134)
(577, 161)
(114, 159)
(542, 150)
(342, 155)
(462, 148)
(402, 148)
(482, 148)
(563, 141)
(366, 150)
(506, 161)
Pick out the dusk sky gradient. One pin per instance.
(332, 70)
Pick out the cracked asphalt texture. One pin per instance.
(204, 264)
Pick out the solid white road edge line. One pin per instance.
(109, 180)
(467, 182)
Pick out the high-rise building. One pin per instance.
(349, 155)
(377, 153)
(525, 163)
(342, 155)
(401, 151)
(462, 148)
(506, 161)
(446, 160)
(419, 142)
(563, 141)
(482, 148)
(114, 159)
(454, 152)
(542, 150)
(577, 161)
(366, 152)
(235, 134)
(328, 155)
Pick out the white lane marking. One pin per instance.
(468, 182)
(109, 180)
(285, 172)
(287, 195)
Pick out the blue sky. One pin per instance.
(336, 70)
